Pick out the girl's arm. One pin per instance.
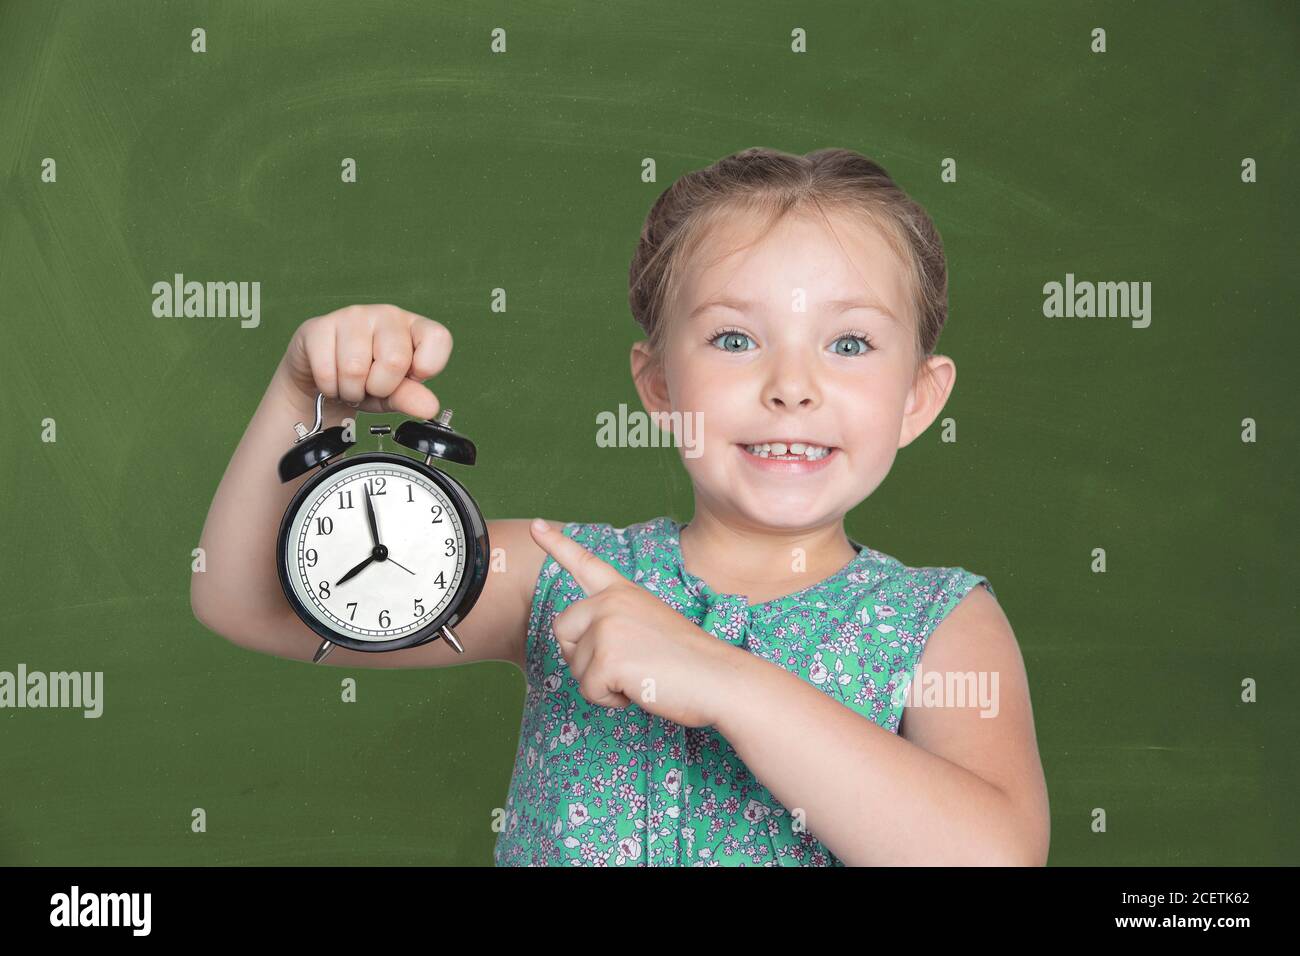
(378, 357)
(953, 788)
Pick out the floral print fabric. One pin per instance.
(608, 786)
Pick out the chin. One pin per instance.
(783, 515)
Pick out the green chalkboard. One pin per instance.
(522, 170)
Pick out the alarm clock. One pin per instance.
(378, 551)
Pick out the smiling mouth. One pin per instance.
(794, 451)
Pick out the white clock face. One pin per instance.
(406, 583)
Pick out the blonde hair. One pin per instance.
(776, 183)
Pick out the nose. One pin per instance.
(792, 383)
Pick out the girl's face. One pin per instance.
(793, 338)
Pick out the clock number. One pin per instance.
(345, 500)
(419, 607)
(311, 557)
(440, 581)
(324, 587)
(383, 618)
(409, 493)
(324, 525)
(378, 487)
(451, 547)
(353, 606)
(437, 514)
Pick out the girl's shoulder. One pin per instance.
(925, 594)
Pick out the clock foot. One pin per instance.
(452, 639)
(321, 651)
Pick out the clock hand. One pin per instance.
(402, 566)
(354, 571)
(370, 517)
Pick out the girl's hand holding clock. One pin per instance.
(307, 543)
(371, 357)
(375, 551)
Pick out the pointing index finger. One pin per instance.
(591, 572)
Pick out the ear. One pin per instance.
(927, 396)
(649, 379)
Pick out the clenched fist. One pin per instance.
(372, 357)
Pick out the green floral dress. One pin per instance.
(601, 786)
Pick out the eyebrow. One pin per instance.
(835, 305)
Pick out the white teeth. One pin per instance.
(793, 450)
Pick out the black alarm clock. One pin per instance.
(377, 551)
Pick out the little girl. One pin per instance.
(744, 688)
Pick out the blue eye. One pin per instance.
(853, 343)
(849, 344)
(733, 340)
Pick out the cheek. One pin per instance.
(862, 398)
(869, 417)
(709, 397)
(701, 402)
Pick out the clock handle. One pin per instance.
(301, 430)
(325, 648)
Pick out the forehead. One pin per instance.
(849, 258)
